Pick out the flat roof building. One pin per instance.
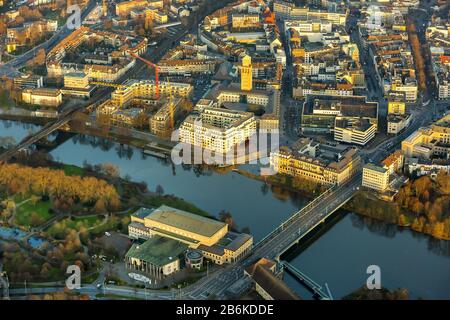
(375, 177)
(356, 131)
(326, 164)
(320, 111)
(210, 236)
(217, 129)
(158, 256)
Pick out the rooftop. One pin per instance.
(186, 221)
(359, 124)
(142, 212)
(275, 287)
(348, 106)
(374, 167)
(157, 250)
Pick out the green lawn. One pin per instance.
(24, 213)
(71, 170)
(90, 277)
(60, 229)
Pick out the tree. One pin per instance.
(225, 216)
(245, 230)
(100, 206)
(35, 219)
(110, 169)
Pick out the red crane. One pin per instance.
(154, 66)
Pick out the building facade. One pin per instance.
(375, 177)
(217, 129)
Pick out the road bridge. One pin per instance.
(278, 241)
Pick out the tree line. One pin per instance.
(64, 190)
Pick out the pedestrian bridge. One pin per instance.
(307, 281)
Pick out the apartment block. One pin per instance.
(217, 129)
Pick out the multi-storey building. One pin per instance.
(124, 8)
(396, 123)
(146, 89)
(320, 111)
(326, 164)
(429, 142)
(375, 177)
(160, 122)
(29, 81)
(42, 97)
(217, 129)
(127, 117)
(77, 84)
(396, 103)
(394, 162)
(355, 131)
(245, 20)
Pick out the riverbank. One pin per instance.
(364, 203)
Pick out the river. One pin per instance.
(337, 255)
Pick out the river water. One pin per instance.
(338, 254)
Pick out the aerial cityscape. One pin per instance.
(224, 150)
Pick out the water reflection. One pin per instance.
(337, 256)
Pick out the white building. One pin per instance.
(375, 177)
(217, 129)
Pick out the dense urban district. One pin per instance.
(348, 102)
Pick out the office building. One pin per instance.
(355, 131)
(325, 164)
(375, 177)
(429, 142)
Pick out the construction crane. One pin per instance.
(171, 107)
(154, 66)
(105, 8)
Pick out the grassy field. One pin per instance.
(32, 214)
(91, 277)
(60, 229)
(71, 170)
